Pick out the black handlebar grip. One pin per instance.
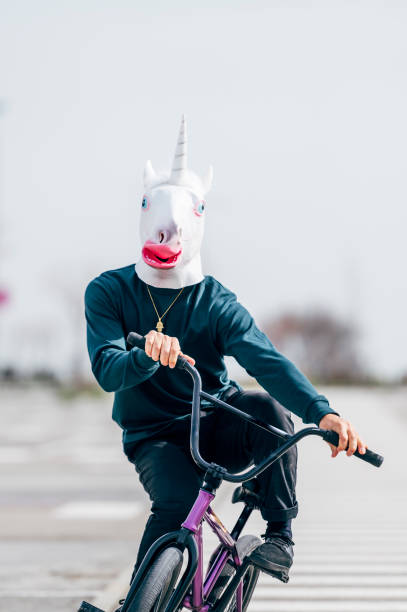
(135, 339)
(369, 456)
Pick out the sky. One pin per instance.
(299, 106)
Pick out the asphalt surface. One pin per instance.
(72, 509)
(351, 532)
(71, 505)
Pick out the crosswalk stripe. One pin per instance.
(332, 580)
(343, 547)
(328, 606)
(337, 593)
(48, 594)
(361, 569)
(97, 510)
(345, 570)
(315, 534)
(392, 539)
(356, 555)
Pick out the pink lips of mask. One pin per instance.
(160, 255)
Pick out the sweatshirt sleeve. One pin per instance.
(113, 366)
(238, 336)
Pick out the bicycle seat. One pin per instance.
(247, 493)
(87, 607)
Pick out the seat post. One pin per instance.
(241, 522)
(248, 494)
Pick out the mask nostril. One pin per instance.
(161, 237)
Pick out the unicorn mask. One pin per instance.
(172, 222)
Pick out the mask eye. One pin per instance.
(145, 204)
(199, 208)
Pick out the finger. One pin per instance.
(361, 447)
(343, 437)
(334, 450)
(174, 352)
(155, 351)
(165, 350)
(190, 360)
(150, 337)
(352, 441)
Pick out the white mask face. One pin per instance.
(172, 223)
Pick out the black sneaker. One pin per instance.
(275, 556)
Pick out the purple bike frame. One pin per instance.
(201, 589)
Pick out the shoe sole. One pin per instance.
(273, 569)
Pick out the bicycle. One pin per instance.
(231, 576)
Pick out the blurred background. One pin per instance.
(300, 107)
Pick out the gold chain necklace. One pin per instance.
(160, 325)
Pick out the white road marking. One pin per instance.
(328, 606)
(97, 454)
(356, 570)
(312, 531)
(15, 454)
(335, 593)
(343, 556)
(48, 594)
(332, 580)
(347, 568)
(56, 449)
(97, 510)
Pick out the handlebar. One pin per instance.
(332, 437)
(369, 456)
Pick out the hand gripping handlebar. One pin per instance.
(369, 456)
(136, 340)
(332, 437)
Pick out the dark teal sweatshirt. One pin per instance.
(209, 323)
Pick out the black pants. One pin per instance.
(172, 480)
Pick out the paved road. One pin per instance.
(72, 509)
(351, 533)
(71, 505)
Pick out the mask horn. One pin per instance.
(150, 175)
(179, 164)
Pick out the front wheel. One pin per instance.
(158, 583)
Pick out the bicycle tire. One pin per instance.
(158, 582)
(245, 546)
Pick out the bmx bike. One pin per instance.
(231, 576)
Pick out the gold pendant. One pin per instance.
(159, 326)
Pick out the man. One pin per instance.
(166, 297)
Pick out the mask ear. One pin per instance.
(207, 180)
(150, 175)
